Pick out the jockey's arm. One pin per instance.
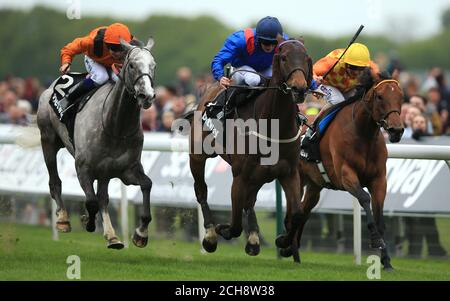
(77, 46)
(322, 66)
(230, 50)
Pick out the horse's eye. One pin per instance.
(131, 65)
(283, 58)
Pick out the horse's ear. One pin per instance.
(280, 38)
(302, 40)
(276, 67)
(125, 45)
(150, 43)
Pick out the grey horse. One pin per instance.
(107, 141)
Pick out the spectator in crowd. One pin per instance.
(149, 119)
(404, 112)
(411, 113)
(437, 104)
(179, 106)
(419, 127)
(166, 121)
(434, 125)
(410, 87)
(184, 81)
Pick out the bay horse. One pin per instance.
(108, 141)
(354, 155)
(292, 71)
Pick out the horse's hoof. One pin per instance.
(63, 227)
(224, 231)
(296, 256)
(251, 249)
(139, 241)
(387, 266)
(286, 252)
(90, 226)
(378, 243)
(209, 247)
(115, 244)
(281, 241)
(87, 223)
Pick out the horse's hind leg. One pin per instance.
(378, 191)
(351, 183)
(108, 230)
(86, 183)
(197, 165)
(137, 176)
(50, 146)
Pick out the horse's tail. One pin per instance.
(28, 136)
(189, 115)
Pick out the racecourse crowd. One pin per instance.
(425, 110)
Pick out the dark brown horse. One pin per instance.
(292, 74)
(354, 154)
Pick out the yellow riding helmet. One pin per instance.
(357, 55)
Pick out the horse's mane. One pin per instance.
(366, 82)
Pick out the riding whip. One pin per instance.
(351, 42)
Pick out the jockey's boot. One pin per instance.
(79, 90)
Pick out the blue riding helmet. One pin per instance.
(268, 28)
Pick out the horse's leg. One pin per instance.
(50, 148)
(310, 198)
(197, 164)
(351, 183)
(378, 191)
(238, 197)
(108, 230)
(137, 176)
(86, 183)
(252, 247)
(291, 187)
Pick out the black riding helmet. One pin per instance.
(267, 30)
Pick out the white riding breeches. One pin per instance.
(331, 94)
(249, 78)
(97, 72)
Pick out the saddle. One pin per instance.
(310, 142)
(225, 104)
(64, 85)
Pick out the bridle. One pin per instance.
(286, 78)
(382, 121)
(122, 72)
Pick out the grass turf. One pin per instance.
(28, 253)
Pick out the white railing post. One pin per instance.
(201, 227)
(55, 234)
(357, 231)
(124, 214)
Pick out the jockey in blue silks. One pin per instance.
(250, 49)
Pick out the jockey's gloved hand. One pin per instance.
(314, 85)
